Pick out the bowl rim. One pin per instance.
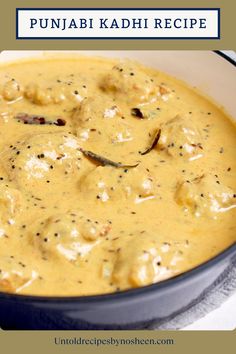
(131, 294)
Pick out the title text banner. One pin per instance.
(118, 23)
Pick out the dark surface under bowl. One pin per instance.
(132, 309)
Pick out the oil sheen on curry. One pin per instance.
(112, 176)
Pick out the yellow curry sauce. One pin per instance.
(112, 176)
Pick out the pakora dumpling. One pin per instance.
(15, 276)
(108, 184)
(11, 90)
(43, 157)
(205, 196)
(181, 139)
(69, 235)
(55, 91)
(10, 205)
(93, 113)
(131, 83)
(93, 110)
(144, 261)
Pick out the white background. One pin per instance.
(223, 318)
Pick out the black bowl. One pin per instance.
(131, 309)
(137, 308)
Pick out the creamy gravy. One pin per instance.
(112, 176)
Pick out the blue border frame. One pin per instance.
(118, 38)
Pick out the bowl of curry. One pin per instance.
(117, 185)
